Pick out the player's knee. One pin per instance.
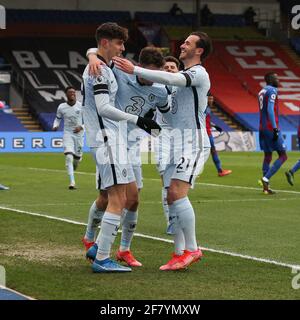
(132, 202)
(213, 150)
(102, 202)
(118, 202)
(283, 157)
(69, 159)
(172, 195)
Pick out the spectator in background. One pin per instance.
(207, 17)
(249, 15)
(175, 10)
(4, 107)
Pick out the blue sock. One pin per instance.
(186, 222)
(296, 167)
(276, 166)
(266, 163)
(216, 160)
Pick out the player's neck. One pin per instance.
(71, 103)
(107, 58)
(191, 62)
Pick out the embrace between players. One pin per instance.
(122, 91)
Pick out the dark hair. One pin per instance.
(172, 59)
(203, 42)
(151, 55)
(111, 30)
(269, 77)
(68, 88)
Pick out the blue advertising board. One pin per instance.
(53, 142)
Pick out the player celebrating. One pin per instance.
(270, 137)
(290, 173)
(71, 112)
(213, 151)
(137, 96)
(162, 143)
(190, 148)
(107, 145)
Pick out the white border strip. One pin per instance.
(277, 263)
(16, 292)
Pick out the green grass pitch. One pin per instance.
(44, 258)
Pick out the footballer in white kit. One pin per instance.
(71, 113)
(162, 144)
(191, 146)
(136, 97)
(108, 147)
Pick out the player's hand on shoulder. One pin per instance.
(95, 65)
(124, 64)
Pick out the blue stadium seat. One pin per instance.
(295, 43)
(9, 122)
(219, 122)
(251, 121)
(46, 121)
(66, 16)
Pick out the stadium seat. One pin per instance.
(9, 122)
(46, 120)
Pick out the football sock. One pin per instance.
(186, 222)
(216, 160)
(123, 215)
(75, 163)
(70, 169)
(128, 228)
(276, 166)
(107, 235)
(95, 217)
(164, 201)
(266, 163)
(296, 167)
(179, 241)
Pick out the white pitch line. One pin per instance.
(228, 253)
(60, 171)
(16, 292)
(215, 185)
(148, 202)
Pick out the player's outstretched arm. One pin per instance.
(167, 78)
